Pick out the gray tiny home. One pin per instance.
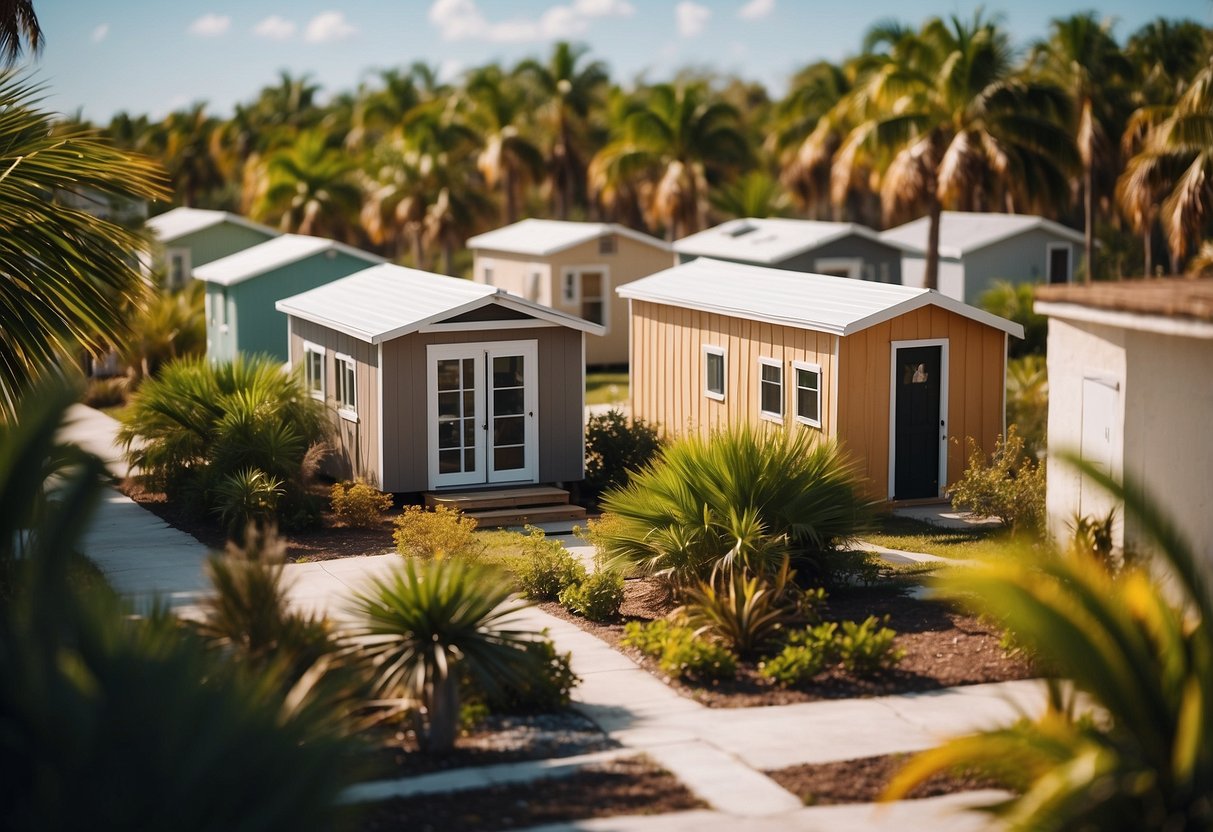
(842, 249)
(435, 383)
(976, 250)
(186, 238)
(242, 288)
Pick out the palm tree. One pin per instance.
(1083, 58)
(1166, 55)
(188, 153)
(681, 141)
(943, 119)
(18, 21)
(310, 189)
(453, 216)
(509, 160)
(566, 93)
(756, 194)
(68, 277)
(813, 95)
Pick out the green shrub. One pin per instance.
(358, 505)
(546, 568)
(1015, 301)
(649, 637)
(441, 532)
(1009, 486)
(597, 597)
(545, 689)
(679, 652)
(614, 447)
(794, 665)
(107, 392)
(748, 614)
(742, 498)
(867, 649)
(1028, 402)
(246, 498)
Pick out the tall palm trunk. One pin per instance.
(930, 279)
(1147, 246)
(443, 707)
(511, 195)
(1088, 185)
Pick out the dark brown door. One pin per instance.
(918, 426)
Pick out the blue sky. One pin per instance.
(145, 56)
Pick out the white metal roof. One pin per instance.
(388, 301)
(769, 240)
(961, 232)
(541, 238)
(272, 254)
(838, 305)
(179, 222)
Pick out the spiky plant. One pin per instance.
(748, 613)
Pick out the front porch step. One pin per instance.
(513, 498)
(497, 518)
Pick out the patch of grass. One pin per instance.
(606, 388)
(911, 535)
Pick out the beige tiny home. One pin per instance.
(573, 267)
(900, 376)
(434, 382)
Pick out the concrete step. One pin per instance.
(469, 501)
(495, 518)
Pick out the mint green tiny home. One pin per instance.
(242, 288)
(187, 238)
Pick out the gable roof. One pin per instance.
(962, 232)
(272, 254)
(771, 240)
(838, 305)
(387, 301)
(541, 238)
(179, 222)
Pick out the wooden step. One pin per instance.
(496, 518)
(469, 501)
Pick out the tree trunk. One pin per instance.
(447, 257)
(1088, 186)
(443, 707)
(1147, 245)
(931, 276)
(511, 198)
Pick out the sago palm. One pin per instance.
(1138, 649)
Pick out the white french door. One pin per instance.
(482, 403)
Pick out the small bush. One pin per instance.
(440, 533)
(746, 613)
(107, 392)
(1009, 486)
(358, 505)
(647, 637)
(614, 447)
(597, 598)
(867, 649)
(794, 665)
(246, 498)
(679, 652)
(545, 690)
(546, 568)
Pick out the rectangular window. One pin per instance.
(347, 400)
(770, 389)
(808, 393)
(714, 372)
(593, 302)
(1059, 262)
(178, 267)
(570, 288)
(313, 369)
(606, 245)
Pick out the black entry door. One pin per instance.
(918, 427)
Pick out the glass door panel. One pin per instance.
(512, 402)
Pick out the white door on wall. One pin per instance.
(482, 403)
(1100, 403)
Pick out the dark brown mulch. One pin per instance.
(944, 647)
(865, 779)
(631, 786)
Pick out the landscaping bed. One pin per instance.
(943, 647)
(864, 780)
(629, 786)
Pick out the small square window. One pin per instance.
(714, 372)
(313, 368)
(770, 389)
(346, 396)
(606, 245)
(808, 394)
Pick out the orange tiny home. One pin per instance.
(900, 376)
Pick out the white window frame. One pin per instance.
(853, 266)
(182, 254)
(769, 415)
(805, 366)
(346, 409)
(1049, 249)
(712, 349)
(309, 350)
(572, 295)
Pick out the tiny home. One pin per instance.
(900, 376)
(241, 290)
(845, 249)
(434, 382)
(190, 237)
(976, 250)
(573, 267)
(1129, 391)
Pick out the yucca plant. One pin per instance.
(246, 498)
(1137, 649)
(428, 626)
(740, 499)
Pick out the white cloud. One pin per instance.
(463, 20)
(275, 28)
(101, 33)
(691, 18)
(210, 25)
(756, 9)
(328, 26)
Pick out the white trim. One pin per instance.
(310, 349)
(583, 396)
(379, 410)
(1049, 249)
(835, 376)
(433, 354)
(808, 368)
(594, 231)
(343, 407)
(944, 370)
(631, 366)
(712, 349)
(853, 266)
(1005, 352)
(769, 415)
(578, 301)
(477, 326)
(1142, 321)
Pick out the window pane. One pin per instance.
(808, 395)
(914, 374)
(772, 373)
(469, 372)
(349, 385)
(510, 430)
(448, 374)
(591, 285)
(772, 397)
(508, 371)
(508, 459)
(448, 462)
(448, 434)
(508, 402)
(807, 379)
(592, 311)
(469, 433)
(448, 404)
(715, 380)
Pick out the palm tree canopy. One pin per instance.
(18, 22)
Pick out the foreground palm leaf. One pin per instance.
(1139, 649)
(432, 623)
